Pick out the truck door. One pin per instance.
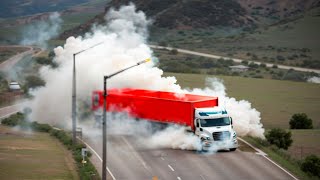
(197, 127)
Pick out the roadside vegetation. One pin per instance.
(85, 171)
(172, 61)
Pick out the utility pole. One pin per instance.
(74, 94)
(104, 120)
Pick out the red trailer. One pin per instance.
(159, 106)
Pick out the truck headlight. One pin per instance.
(203, 138)
(234, 135)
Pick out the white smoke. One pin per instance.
(40, 32)
(314, 79)
(124, 38)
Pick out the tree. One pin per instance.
(280, 138)
(311, 164)
(300, 121)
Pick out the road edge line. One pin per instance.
(97, 156)
(263, 154)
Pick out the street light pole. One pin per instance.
(104, 120)
(74, 94)
(74, 111)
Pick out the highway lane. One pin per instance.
(236, 59)
(128, 158)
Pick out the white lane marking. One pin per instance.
(135, 154)
(179, 178)
(162, 158)
(259, 152)
(281, 168)
(170, 167)
(263, 154)
(202, 177)
(98, 157)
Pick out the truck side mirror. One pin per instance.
(231, 120)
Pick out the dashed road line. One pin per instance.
(170, 167)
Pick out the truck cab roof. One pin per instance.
(211, 112)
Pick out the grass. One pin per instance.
(276, 100)
(33, 156)
(305, 142)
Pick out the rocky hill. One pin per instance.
(193, 14)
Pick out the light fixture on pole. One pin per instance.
(74, 93)
(104, 120)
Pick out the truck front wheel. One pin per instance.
(233, 149)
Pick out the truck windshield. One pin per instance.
(215, 122)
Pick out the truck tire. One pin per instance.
(233, 149)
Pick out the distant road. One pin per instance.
(235, 59)
(9, 63)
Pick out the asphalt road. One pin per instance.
(9, 63)
(129, 159)
(235, 59)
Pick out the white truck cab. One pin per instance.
(215, 129)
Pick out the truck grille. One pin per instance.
(220, 136)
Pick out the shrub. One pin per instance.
(174, 52)
(47, 61)
(34, 82)
(13, 120)
(41, 127)
(280, 58)
(294, 76)
(245, 62)
(311, 165)
(253, 65)
(263, 65)
(280, 138)
(300, 121)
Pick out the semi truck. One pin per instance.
(200, 114)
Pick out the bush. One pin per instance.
(253, 65)
(13, 120)
(300, 121)
(34, 82)
(174, 52)
(280, 138)
(245, 62)
(294, 76)
(41, 127)
(47, 61)
(311, 165)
